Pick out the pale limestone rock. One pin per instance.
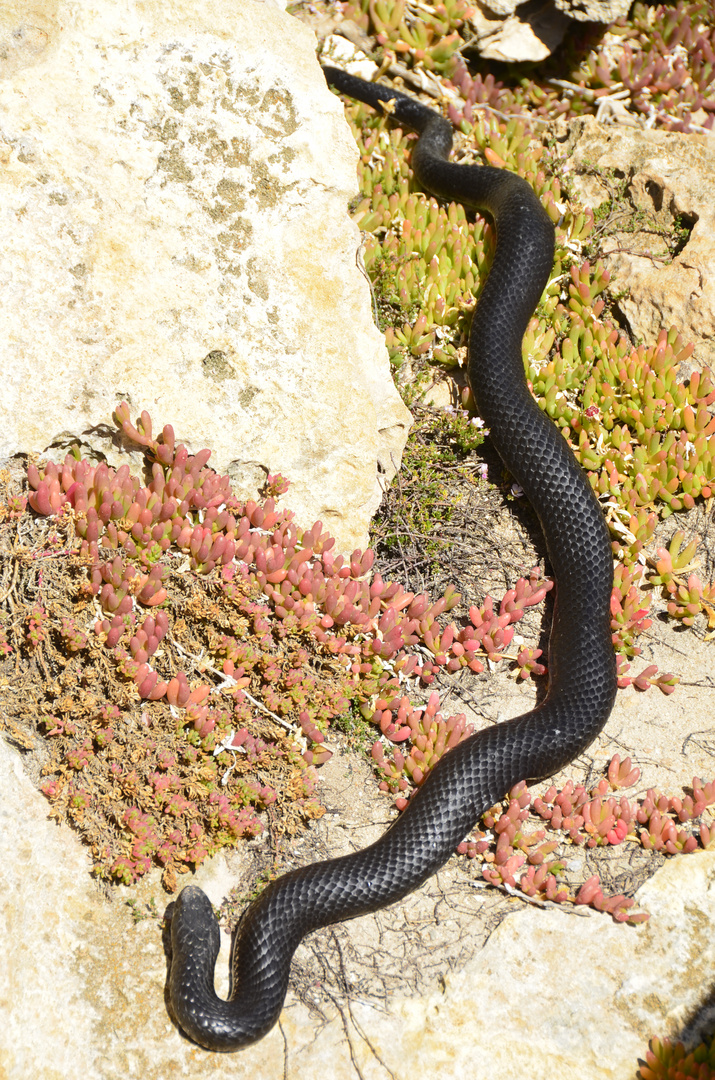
(668, 174)
(174, 233)
(528, 34)
(342, 53)
(603, 11)
(46, 900)
(512, 31)
(552, 994)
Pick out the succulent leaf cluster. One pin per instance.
(644, 433)
(424, 34)
(666, 1060)
(519, 859)
(659, 62)
(288, 589)
(290, 595)
(664, 57)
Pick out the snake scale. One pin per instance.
(481, 769)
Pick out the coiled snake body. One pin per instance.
(480, 770)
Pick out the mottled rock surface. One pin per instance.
(657, 182)
(528, 33)
(173, 223)
(604, 11)
(512, 31)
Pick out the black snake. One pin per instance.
(480, 770)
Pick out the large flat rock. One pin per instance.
(174, 229)
(667, 184)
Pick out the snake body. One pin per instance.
(481, 769)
